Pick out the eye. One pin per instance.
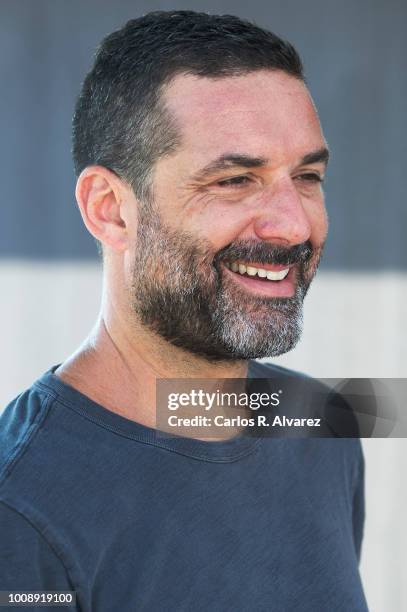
(234, 181)
(309, 177)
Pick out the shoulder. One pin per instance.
(23, 477)
(20, 421)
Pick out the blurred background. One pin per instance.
(354, 53)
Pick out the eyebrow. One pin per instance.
(316, 157)
(224, 162)
(231, 160)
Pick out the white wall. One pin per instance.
(354, 327)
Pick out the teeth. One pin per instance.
(261, 272)
(251, 271)
(276, 275)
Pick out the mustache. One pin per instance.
(266, 253)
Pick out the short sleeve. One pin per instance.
(27, 562)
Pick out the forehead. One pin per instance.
(259, 113)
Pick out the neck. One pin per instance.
(119, 363)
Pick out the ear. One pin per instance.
(100, 194)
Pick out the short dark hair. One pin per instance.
(120, 121)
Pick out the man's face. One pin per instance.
(226, 251)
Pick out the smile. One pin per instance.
(249, 270)
(267, 280)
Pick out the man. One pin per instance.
(200, 160)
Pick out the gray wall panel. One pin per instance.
(355, 57)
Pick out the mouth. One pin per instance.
(267, 280)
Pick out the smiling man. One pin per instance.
(246, 221)
(200, 161)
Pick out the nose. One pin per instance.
(282, 218)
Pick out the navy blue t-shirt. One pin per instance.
(98, 504)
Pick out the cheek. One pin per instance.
(221, 226)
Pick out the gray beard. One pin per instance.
(269, 330)
(180, 292)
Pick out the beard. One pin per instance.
(181, 292)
